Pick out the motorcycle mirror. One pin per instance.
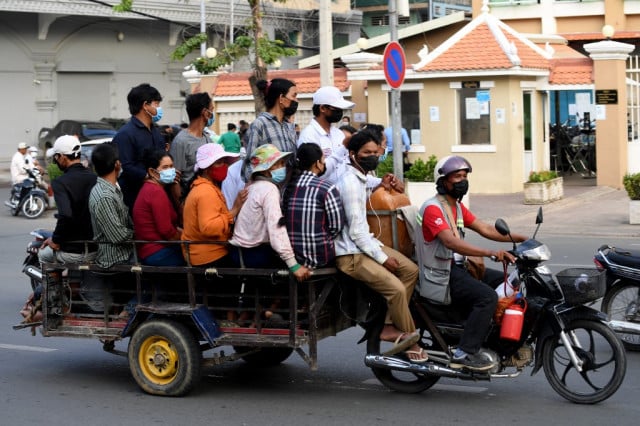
(502, 227)
(539, 216)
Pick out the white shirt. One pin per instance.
(19, 163)
(336, 156)
(233, 183)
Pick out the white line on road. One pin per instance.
(25, 348)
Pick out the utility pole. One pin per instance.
(203, 29)
(326, 44)
(396, 110)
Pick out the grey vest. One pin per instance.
(434, 259)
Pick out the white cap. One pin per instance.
(22, 145)
(65, 145)
(330, 95)
(32, 149)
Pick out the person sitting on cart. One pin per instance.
(364, 258)
(155, 215)
(260, 232)
(443, 250)
(112, 225)
(206, 216)
(313, 209)
(71, 193)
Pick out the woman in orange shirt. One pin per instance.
(206, 216)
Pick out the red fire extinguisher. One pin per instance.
(513, 319)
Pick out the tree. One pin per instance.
(264, 50)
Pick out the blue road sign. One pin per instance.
(395, 64)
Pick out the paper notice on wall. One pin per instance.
(434, 113)
(484, 108)
(472, 109)
(601, 112)
(360, 117)
(500, 115)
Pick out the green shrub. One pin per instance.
(542, 176)
(385, 166)
(421, 171)
(631, 184)
(53, 171)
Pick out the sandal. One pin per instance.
(423, 357)
(401, 344)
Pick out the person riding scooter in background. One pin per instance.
(442, 251)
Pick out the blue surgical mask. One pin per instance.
(382, 157)
(158, 116)
(167, 176)
(211, 120)
(278, 175)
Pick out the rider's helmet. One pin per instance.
(450, 164)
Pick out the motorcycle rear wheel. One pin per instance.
(604, 363)
(397, 380)
(33, 207)
(618, 300)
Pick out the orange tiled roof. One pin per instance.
(307, 81)
(485, 44)
(571, 71)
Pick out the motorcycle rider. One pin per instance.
(441, 250)
(19, 163)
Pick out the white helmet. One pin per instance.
(450, 164)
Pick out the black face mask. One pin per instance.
(459, 189)
(368, 163)
(336, 115)
(291, 109)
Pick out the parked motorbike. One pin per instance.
(621, 301)
(31, 264)
(28, 197)
(582, 358)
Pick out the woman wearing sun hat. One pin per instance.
(206, 216)
(259, 230)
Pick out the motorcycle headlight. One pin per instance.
(541, 252)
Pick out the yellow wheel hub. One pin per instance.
(158, 360)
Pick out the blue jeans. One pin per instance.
(168, 256)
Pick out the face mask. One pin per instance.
(459, 189)
(211, 120)
(291, 109)
(158, 116)
(167, 176)
(368, 163)
(218, 174)
(382, 157)
(336, 115)
(323, 171)
(278, 175)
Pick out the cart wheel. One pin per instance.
(264, 357)
(33, 207)
(164, 358)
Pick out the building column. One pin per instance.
(609, 73)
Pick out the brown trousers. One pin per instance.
(396, 288)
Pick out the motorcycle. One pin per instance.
(28, 197)
(582, 358)
(31, 264)
(621, 301)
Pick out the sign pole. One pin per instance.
(396, 110)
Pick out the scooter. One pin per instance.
(31, 264)
(583, 359)
(28, 197)
(622, 298)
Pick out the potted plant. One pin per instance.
(543, 187)
(420, 185)
(631, 183)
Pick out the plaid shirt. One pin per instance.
(355, 236)
(111, 224)
(314, 216)
(267, 129)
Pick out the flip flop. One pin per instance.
(401, 344)
(423, 356)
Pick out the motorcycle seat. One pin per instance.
(625, 257)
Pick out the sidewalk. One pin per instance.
(585, 209)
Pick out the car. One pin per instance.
(85, 130)
(86, 148)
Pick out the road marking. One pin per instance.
(25, 348)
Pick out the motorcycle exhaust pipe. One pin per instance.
(33, 272)
(624, 326)
(392, 363)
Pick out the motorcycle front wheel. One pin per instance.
(604, 363)
(621, 303)
(400, 381)
(33, 206)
